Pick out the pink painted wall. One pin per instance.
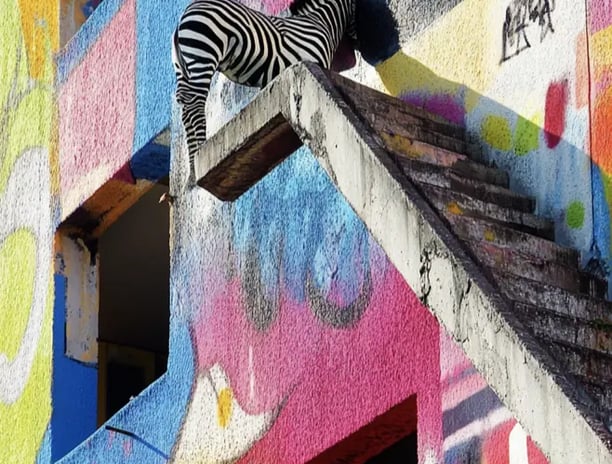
(96, 111)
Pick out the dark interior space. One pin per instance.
(403, 451)
(134, 302)
(389, 438)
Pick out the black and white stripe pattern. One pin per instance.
(249, 48)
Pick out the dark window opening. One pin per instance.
(133, 324)
(111, 307)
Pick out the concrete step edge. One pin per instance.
(481, 229)
(449, 202)
(594, 335)
(545, 295)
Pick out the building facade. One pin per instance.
(285, 328)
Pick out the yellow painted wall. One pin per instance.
(28, 38)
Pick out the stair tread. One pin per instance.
(481, 229)
(456, 164)
(456, 203)
(581, 361)
(511, 261)
(475, 188)
(586, 333)
(372, 104)
(545, 295)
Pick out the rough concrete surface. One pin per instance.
(427, 255)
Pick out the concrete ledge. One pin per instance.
(430, 258)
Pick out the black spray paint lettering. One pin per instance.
(521, 14)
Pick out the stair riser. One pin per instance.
(569, 330)
(553, 298)
(373, 105)
(508, 261)
(448, 202)
(473, 188)
(454, 165)
(595, 367)
(479, 230)
(601, 394)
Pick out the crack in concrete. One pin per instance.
(424, 279)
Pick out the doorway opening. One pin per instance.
(390, 438)
(111, 310)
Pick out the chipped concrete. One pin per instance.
(430, 258)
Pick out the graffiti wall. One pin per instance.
(290, 329)
(529, 80)
(516, 76)
(28, 38)
(115, 82)
(73, 14)
(599, 29)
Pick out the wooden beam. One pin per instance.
(252, 160)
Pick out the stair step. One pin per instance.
(588, 334)
(601, 393)
(440, 177)
(585, 284)
(476, 230)
(510, 261)
(591, 365)
(455, 203)
(384, 111)
(591, 307)
(415, 143)
(454, 163)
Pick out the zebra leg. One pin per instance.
(192, 95)
(193, 115)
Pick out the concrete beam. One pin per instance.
(429, 257)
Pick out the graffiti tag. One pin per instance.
(521, 14)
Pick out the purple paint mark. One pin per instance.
(600, 15)
(124, 174)
(443, 105)
(273, 7)
(604, 82)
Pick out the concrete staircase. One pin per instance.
(561, 305)
(534, 324)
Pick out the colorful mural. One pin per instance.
(290, 329)
(506, 75)
(598, 81)
(477, 427)
(28, 38)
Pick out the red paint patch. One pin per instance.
(535, 455)
(556, 102)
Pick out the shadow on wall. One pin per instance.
(536, 151)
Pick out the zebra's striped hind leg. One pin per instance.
(193, 115)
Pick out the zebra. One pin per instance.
(249, 48)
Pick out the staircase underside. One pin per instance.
(406, 174)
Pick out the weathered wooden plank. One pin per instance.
(246, 165)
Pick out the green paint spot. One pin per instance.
(495, 131)
(526, 137)
(574, 216)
